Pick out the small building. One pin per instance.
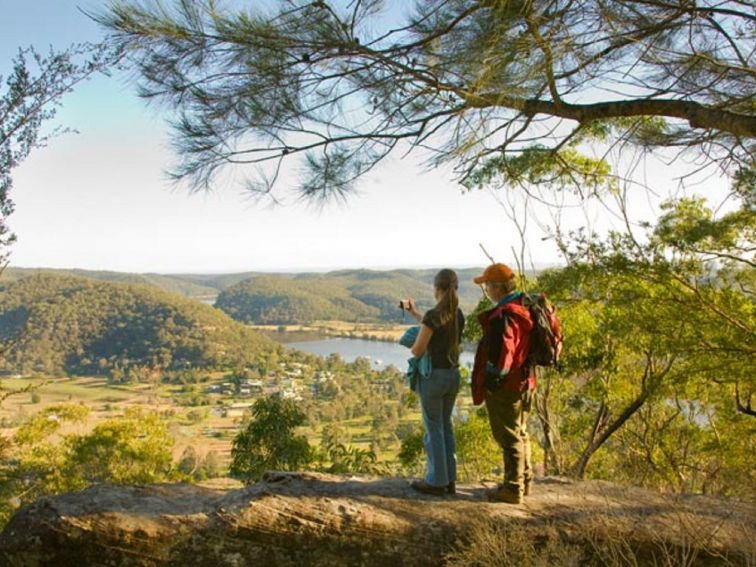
(256, 386)
(235, 410)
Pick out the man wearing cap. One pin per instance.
(501, 378)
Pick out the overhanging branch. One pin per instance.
(696, 114)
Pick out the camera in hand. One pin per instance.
(405, 304)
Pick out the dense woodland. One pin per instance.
(57, 324)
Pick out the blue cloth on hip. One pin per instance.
(417, 368)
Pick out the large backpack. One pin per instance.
(546, 336)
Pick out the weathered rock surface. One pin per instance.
(316, 519)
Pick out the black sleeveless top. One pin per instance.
(438, 348)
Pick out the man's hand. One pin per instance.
(494, 378)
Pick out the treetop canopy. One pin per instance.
(468, 81)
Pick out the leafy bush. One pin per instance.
(268, 441)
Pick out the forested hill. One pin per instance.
(383, 282)
(77, 325)
(253, 297)
(174, 284)
(347, 295)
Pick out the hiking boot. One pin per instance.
(504, 494)
(451, 488)
(425, 488)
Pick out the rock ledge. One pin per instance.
(317, 519)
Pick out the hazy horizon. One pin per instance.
(284, 270)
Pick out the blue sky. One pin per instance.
(100, 199)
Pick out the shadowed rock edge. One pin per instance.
(319, 519)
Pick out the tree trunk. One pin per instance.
(550, 460)
(604, 433)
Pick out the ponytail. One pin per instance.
(447, 283)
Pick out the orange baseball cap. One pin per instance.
(495, 273)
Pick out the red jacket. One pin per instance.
(505, 343)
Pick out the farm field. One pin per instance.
(209, 427)
(375, 331)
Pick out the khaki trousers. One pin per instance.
(508, 416)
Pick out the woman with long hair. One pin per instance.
(440, 336)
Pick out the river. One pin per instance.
(380, 353)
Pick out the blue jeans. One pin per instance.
(437, 394)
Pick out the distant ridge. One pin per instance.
(288, 298)
(345, 295)
(174, 284)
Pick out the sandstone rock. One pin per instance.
(317, 519)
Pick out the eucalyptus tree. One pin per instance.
(662, 335)
(268, 440)
(343, 85)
